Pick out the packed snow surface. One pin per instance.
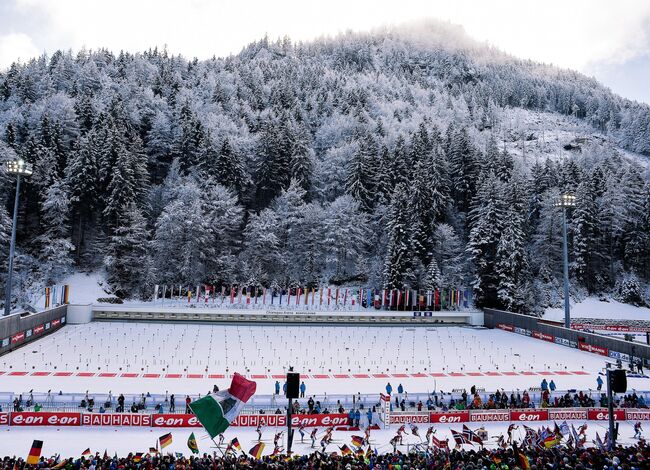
(458, 356)
(592, 307)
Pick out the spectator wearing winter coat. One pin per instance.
(357, 418)
(351, 418)
(303, 388)
(599, 382)
(544, 384)
(369, 416)
(389, 388)
(400, 389)
(284, 388)
(551, 386)
(277, 387)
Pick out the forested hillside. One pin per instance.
(385, 160)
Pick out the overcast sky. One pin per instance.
(609, 39)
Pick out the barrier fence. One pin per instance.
(76, 419)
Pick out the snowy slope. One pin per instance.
(592, 307)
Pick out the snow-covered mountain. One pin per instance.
(408, 156)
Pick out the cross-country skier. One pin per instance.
(301, 430)
(313, 437)
(366, 436)
(393, 442)
(415, 431)
(259, 433)
(511, 428)
(637, 430)
(430, 432)
(221, 438)
(277, 437)
(323, 443)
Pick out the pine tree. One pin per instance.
(360, 180)
(127, 259)
(229, 169)
(398, 261)
(55, 245)
(433, 279)
(584, 226)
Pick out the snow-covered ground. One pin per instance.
(190, 358)
(72, 442)
(592, 307)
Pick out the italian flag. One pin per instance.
(215, 412)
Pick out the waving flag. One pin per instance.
(235, 444)
(471, 435)
(256, 450)
(191, 444)
(165, 440)
(34, 453)
(357, 441)
(215, 412)
(460, 438)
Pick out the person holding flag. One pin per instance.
(215, 412)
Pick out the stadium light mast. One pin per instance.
(19, 168)
(565, 202)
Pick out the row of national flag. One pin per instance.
(317, 296)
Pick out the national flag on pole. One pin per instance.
(191, 444)
(165, 440)
(235, 444)
(215, 412)
(440, 444)
(137, 457)
(86, 452)
(256, 450)
(153, 450)
(34, 453)
(459, 438)
(521, 458)
(471, 435)
(357, 441)
(345, 450)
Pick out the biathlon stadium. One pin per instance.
(113, 377)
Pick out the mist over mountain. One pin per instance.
(407, 156)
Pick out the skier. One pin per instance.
(401, 429)
(415, 432)
(301, 430)
(277, 437)
(313, 437)
(366, 436)
(637, 430)
(259, 432)
(599, 381)
(430, 432)
(323, 444)
(389, 388)
(221, 438)
(510, 429)
(393, 442)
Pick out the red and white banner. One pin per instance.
(116, 419)
(614, 328)
(495, 415)
(503, 326)
(39, 329)
(543, 336)
(175, 421)
(18, 337)
(637, 415)
(56, 322)
(529, 415)
(593, 349)
(449, 417)
(567, 414)
(404, 418)
(601, 414)
(4, 419)
(30, 418)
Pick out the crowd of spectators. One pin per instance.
(624, 458)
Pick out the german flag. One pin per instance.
(257, 450)
(86, 452)
(357, 441)
(345, 450)
(61, 464)
(137, 457)
(153, 450)
(359, 452)
(235, 444)
(34, 453)
(165, 440)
